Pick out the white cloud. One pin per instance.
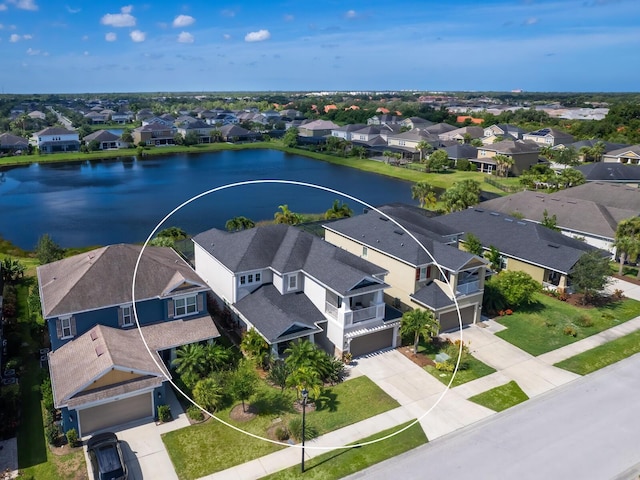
(258, 36)
(226, 36)
(351, 14)
(86, 54)
(72, 10)
(138, 36)
(185, 37)
(14, 38)
(227, 12)
(182, 21)
(27, 37)
(3, 7)
(531, 21)
(25, 4)
(122, 19)
(289, 18)
(31, 51)
(85, 38)
(111, 37)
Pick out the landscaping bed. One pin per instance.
(549, 323)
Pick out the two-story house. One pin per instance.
(429, 273)
(104, 370)
(346, 132)
(157, 133)
(548, 137)
(524, 155)
(288, 284)
(56, 139)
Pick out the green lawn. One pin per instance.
(540, 329)
(501, 398)
(476, 370)
(340, 463)
(602, 355)
(203, 449)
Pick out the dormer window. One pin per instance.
(293, 281)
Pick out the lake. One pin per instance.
(122, 200)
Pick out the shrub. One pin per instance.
(445, 366)
(52, 433)
(618, 294)
(72, 437)
(47, 395)
(462, 164)
(568, 330)
(194, 413)
(282, 434)
(164, 413)
(295, 429)
(584, 321)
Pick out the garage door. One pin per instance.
(115, 413)
(449, 320)
(372, 342)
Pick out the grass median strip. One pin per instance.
(339, 463)
(602, 355)
(502, 397)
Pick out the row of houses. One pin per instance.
(345, 292)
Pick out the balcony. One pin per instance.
(331, 310)
(356, 315)
(468, 288)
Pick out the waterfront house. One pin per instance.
(56, 139)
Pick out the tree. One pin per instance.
(517, 288)
(473, 245)
(126, 136)
(438, 161)
(495, 258)
(419, 323)
(590, 274)
(627, 241)
(243, 383)
(216, 357)
(388, 155)
(550, 222)
(424, 148)
(286, 216)
(236, 224)
(47, 250)
(216, 135)
(476, 142)
(566, 156)
(12, 269)
(492, 299)
(254, 346)
(338, 210)
(178, 139)
(190, 363)
(303, 353)
(93, 146)
(570, 177)
(278, 374)
(305, 378)
(503, 164)
(191, 138)
(208, 394)
(358, 151)
(290, 138)
(461, 195)
(424, 193)
(598, 150)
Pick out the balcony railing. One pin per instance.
(468, 288)
(331, 310)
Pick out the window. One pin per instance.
(293, 282)
(250, 278)
(257, 277)
(365, 251)
(127, 316)
(185, 305)
(243, 279)
(65, 324)
(425, 272)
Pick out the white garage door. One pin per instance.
(449, 321)
(115, 413)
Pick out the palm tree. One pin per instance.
(216, 356)
(190, 363)
(598, 150)
(424, 148)
(254, 345)
(301, 353)
(424, 193)
(388, 154)
(419, 323)
(286, 216)
(239, 223)
(627, 241)
(338, 210)
(208, 394)
(305, 378)
(503, 164)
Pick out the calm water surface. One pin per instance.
(113, 201)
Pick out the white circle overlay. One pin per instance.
(326, 189)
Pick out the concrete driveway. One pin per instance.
(144, 452)
(631, 290)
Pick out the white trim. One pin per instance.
(63, 319)
(185, 297)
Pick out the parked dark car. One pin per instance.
(106, 457)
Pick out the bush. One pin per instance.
(618, 294)
(47, 395)
(52, 433)
(584, 321)
(295, 429)
(445, 366)
(194, 413)
(282, 434)
(164, 413)
(72, 437)
(568, 330)
(462, 164)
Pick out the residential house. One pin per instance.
(56, 139)
(524, 155)
(346, 132)
(236, 133)
(122, 117)
(106, 140)
(317, 128)
(288, 284)
(608, 146)
(628, 154)
(426, 269)
(407, 142)
(548, 137)
(502, 131)
(384, 119)
(619, 173)
(199, 127)
(104, 370)
(415, 122)
(462, 135)
(166, 122)
(440, 128)
(461, 151)
(37, 115)
(545, 254)
(158, 134)
(10, 143)
(96, 118)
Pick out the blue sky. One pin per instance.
(52, 46)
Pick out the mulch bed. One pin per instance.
(419, 359)
(238, 414)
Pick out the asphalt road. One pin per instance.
(587, 429)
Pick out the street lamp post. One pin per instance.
(305, 395)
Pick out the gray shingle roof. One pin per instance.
(510, 147)
(520, 239)
(379, 233)
(287, 249)
(609, 195)
(9, 140)
(273, 314)
(432, 296)
(103, 277)
(101, 136)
